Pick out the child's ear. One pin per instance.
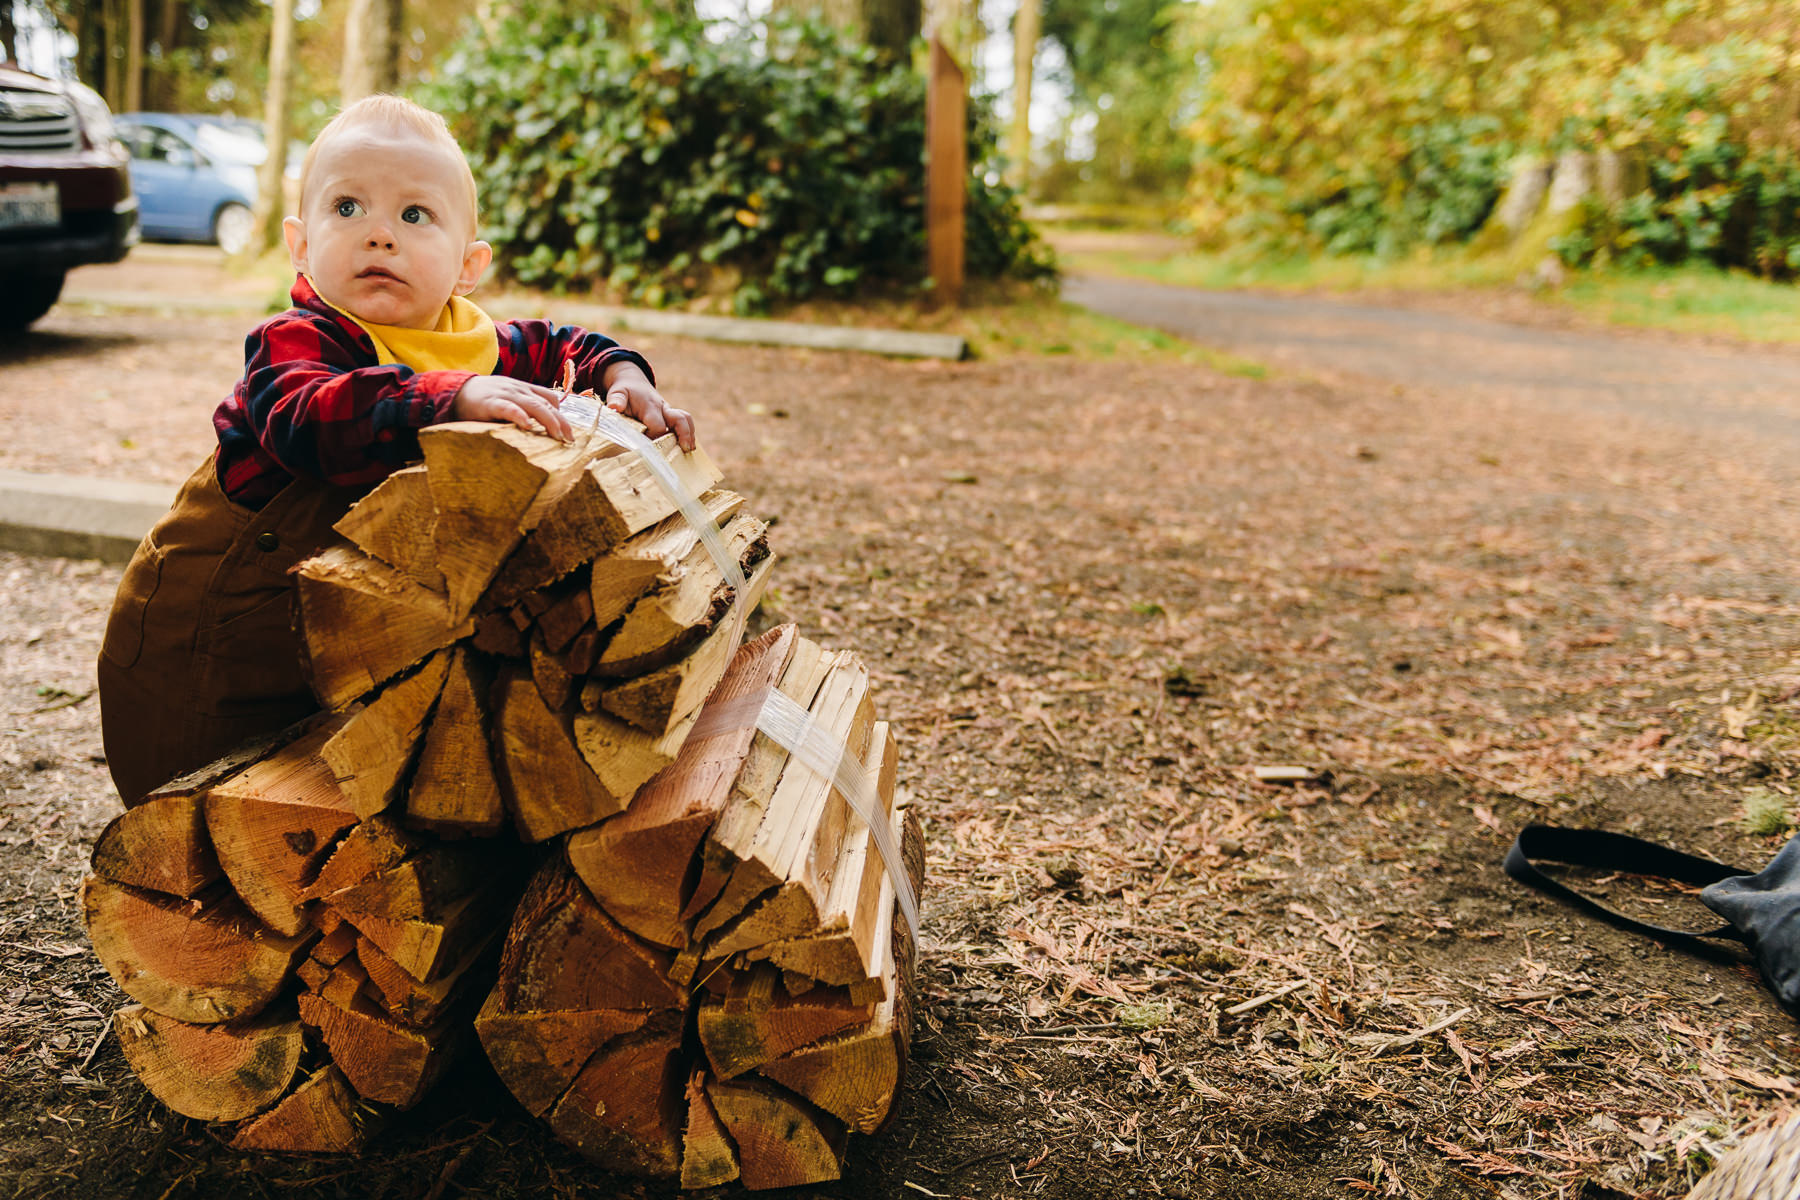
(294, 230)
(475, 261)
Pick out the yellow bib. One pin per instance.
(464, 339)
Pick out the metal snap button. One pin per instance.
(267, 541)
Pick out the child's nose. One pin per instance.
(381, 238)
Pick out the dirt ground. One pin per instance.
(1097, 595)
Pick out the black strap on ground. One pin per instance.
(1604, 851)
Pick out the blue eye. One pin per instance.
(347, 207)
(414, 215)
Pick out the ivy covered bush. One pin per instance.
(662, 164)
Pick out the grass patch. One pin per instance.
(1766, 813)
(1693, 299)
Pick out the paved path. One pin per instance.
(1678, 380)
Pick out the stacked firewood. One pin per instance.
(522, 815)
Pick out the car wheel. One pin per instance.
(231, 228)
(25, 300)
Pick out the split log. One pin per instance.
(425, 885)
(563, 953)
(614, 497)
(202, 960)
(161, 843)
(427, 948)
(638, 864)
(782, 1141)
(623, 757)
(490, 485)
(371, 847)
(651, 558)
(220, 1072)
(417, 1002)
(372, 752)
(382, 1059)
(655, 701)
(687, 601)
(780, 870)
(455, 786)
(758, 1020)
(274, 824)
(362, 623)
(397, 523)
(548, 784)
(549, 673)
(624, 1109)
(857, 1075)
(538, 1054)
(321, 1116)
(708, 1158)
(847, 946)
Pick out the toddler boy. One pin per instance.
(200, 651)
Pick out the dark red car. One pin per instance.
(65, 190)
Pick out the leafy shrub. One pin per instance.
(664, 164)
(1718, 189)
(1370, 127)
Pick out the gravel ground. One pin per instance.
(1096, 596)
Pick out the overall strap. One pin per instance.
(1606, 851)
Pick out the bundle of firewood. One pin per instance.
(667, 918)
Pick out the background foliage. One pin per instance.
(1384, 124)
(1132, 86)
(669, 165)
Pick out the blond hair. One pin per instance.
(393, 112)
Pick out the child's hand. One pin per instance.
(628, 391)
(497, 398)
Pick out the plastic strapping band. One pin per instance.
(783, 721)
(774, 714)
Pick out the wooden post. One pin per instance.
(946, 172)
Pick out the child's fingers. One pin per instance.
(683, 425)
(536, 415)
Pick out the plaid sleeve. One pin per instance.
(309, 405)
(536, 350)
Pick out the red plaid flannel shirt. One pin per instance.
(315, 403)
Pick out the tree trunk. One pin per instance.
(135, 36)
(270, 178)
(372, 33)
(1025, 40)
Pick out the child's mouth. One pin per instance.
(379, 273)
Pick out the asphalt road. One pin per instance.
(1639, 375)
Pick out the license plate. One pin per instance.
(29, 206)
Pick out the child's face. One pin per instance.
(385, 229)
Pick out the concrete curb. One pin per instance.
(68, 516)
(894, 343)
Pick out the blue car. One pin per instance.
(195, 177)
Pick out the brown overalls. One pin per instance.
(200, 651)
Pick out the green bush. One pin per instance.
(1717, 191)
(665, 164)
